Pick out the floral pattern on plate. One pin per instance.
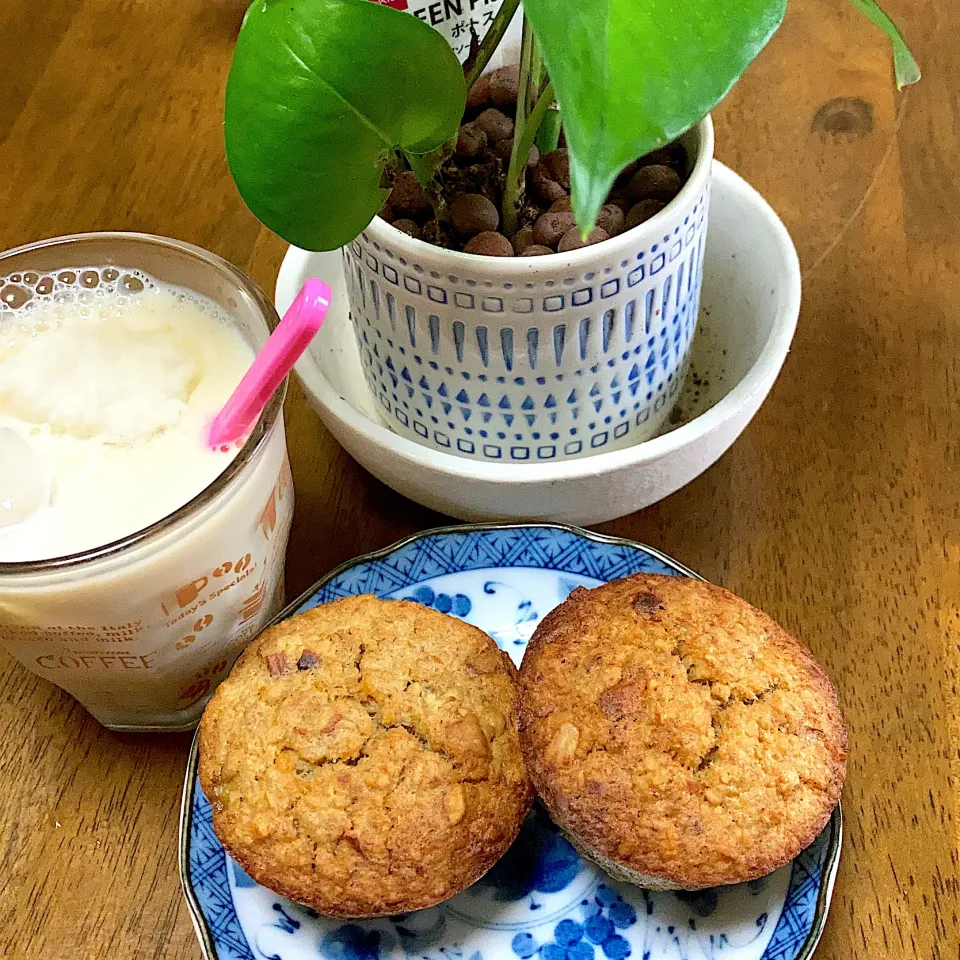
(541, 901)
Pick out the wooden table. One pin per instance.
(838, 511)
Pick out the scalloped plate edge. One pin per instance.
(831, 862)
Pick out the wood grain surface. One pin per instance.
(838, 511)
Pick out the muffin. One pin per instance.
(678, 736)
(363, 758)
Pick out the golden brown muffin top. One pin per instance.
(363, 757)
(676, 730)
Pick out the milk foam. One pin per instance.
(110, 379)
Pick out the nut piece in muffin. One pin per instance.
(679, 737)
(363, 758)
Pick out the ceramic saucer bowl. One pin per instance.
(749, 307)
(541, 901)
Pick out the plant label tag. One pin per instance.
(455, 19)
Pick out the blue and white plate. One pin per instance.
(541, 901)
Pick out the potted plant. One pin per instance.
(529, 289)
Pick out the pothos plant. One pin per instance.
(323, 95)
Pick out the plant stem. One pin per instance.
(513, 188)
(522, 142)
(538, 74)
(549, 135)
(491, 40)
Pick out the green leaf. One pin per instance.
(319, 92)
(631, 75)
(904, 65)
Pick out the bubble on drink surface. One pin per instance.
(14, 296)
(30, 292)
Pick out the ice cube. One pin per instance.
(24, 486)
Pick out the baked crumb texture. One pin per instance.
(363, 757)
(679, 736)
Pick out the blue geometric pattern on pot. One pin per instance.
(576, 365)
(541, 901)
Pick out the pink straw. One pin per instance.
(281, 351)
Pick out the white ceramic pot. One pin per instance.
(751, 298)
(538, 359)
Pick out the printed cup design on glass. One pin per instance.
(146, 561)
